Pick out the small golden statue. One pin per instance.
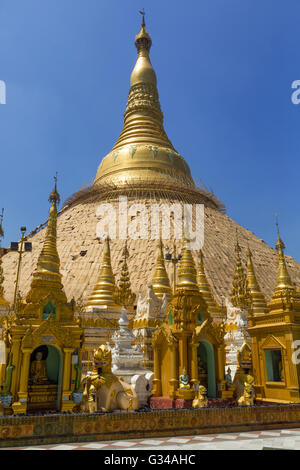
(184, 381)
(247, 399)
(38, 371)
(200, 400)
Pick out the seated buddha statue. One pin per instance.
(184, 381)
(38, 370)
(228, 378)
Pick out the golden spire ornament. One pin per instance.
(240, 296)
(48, 262)
(160, 281)
(285, 295)
(283, 277)
(46, 295)
(143, 151)
(187, 273)
(105, 289)
(259, 303)
(213, 308)
(124, 295)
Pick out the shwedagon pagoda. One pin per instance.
(103, 323)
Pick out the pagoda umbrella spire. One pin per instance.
(240, 296)
(283, 278)
(143, 151)
(285, 294)
(259, 303)
(105, 289)
(187, 273)
(160, 281)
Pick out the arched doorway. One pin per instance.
(206, 367)
(45, 377)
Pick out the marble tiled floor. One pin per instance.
(256, 440)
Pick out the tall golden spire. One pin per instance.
(285, 295)
(240, 296)
(48, 262)
(124, 296)
(143, 151)
(187, 273)
(46, 293)
(105, 289)
(259, 303)
(160, 281)
(213, 308)
(3, 302)
(283, 277)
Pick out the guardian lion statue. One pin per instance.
(103, 391)
(247, 399)
(200, 400)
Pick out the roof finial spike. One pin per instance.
(280, 246)
(277, 224)
(54, 196)
(143, 15)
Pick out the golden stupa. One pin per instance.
(143, 151)
(144, 166)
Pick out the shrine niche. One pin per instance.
(45, 378)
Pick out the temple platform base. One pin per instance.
(63, 428)
(165, 403)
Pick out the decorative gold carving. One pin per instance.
(162, 334)
(62, 335)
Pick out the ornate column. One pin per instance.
(21, 405)
(174, 373)
(67, 370)
(221, 382)
(221, 363)
(183, 360)
(157, 373)
(24, 372)
(194, 365)
(16, 361)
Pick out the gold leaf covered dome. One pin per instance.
(143, 152)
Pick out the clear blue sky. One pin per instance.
(224, 68)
